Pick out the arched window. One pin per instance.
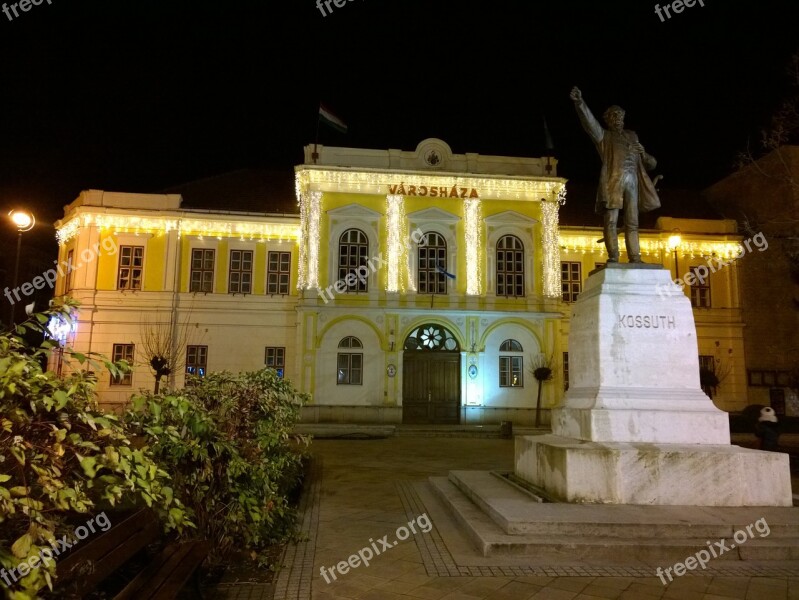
(433, 265)
(511, 346)
(431, 337)
(349, 363)
(511, 368)
(510, 267)
(353, 252)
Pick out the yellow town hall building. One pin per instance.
(409, 286)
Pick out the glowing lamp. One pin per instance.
(23, 220)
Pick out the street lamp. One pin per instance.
(674, 242)
(23, 221)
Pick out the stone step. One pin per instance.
(575, 537)
(518, 512)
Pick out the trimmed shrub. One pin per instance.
(227, 441)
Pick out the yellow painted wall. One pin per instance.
(107, 264)
(155, 263)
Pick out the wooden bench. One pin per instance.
(94, 560)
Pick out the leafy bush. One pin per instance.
(227, 440)
(60, 455)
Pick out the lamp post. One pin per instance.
(23, 221)
(675, 239)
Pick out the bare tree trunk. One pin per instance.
(538, 404)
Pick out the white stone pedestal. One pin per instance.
(634, 365)
(635, 426)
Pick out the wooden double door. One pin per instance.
(431, 387)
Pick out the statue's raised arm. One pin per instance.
(590, 124)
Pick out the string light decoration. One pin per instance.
(652, 246)
(369, 181)
(302, 259)
(397, 242)
(118, 223)
(472, 219)
(551, 243)
(313, 212)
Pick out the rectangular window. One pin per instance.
(510, 269)
(123, 352)
(700, 290)
(196, 361)
(278, 275)
(510, 371)
(571, 279)
(68, 271)
(350, 369)
(275, 358)
(202, 270)
(131, 264)
(776, 397)
(769, 378)
(565, 371)
(240, 275)
(706, 361)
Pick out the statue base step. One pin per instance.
(653, 474)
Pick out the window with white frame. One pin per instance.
(349, 363)
(511, 368)
(275, 358)
(353, 252)
(131, 266)
(432, 265)
(571, 280)
(124, 352)
(510, 267)
(196, 361)
(278, 275)
(240, 272)
(68, 275)
(202, 270)
(700, 290)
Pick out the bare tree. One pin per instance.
(712, 376)
(774, 160)
(782, 131)
(541, 369)
(164, 345)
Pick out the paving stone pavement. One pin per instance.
(363, 491)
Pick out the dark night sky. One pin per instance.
(140, 96)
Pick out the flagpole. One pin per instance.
(315, 154)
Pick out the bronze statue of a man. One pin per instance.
(623, 182)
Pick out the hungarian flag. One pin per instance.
(326, 116)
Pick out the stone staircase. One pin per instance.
(503, 519)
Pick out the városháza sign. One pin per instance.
(443, 191)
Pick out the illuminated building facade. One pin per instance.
(410, 286)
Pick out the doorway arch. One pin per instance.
(431, 376)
